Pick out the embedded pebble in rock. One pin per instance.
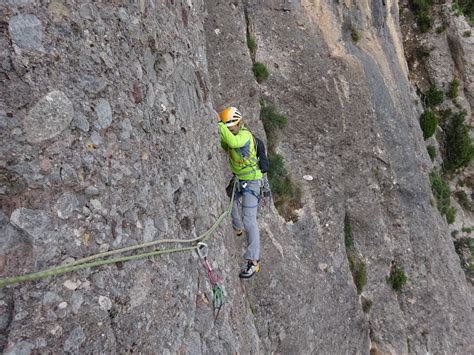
(57, 330)
(51, 315)
(21, 348)
(33, 222)
(50, 298)
(96, 138)
(96, 204)
(49, 117)
(80, 121)
(19, 2)
(62, 305)
(21, 315)
(68, 175)
(66, 205)
(93, 85)
(74, 340)
(150, 230)
(91, 191)
(105, 303)
(71, 285)
(26, 31)
(323, 266)
(5, 318)
(76, 301)
(308, 177)
(40, 343)
(104, 113)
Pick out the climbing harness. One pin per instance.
(264, 196)
(217, 294)
(87, 262)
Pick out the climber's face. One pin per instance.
(235, 129)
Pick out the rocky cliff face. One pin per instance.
(109, 140)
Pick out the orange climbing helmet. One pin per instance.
(230, 116)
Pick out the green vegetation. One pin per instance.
(355, 35)
(348, 240)
(420, 6)
(457, 104)
(286, 194)
(273, 122)
(467, 230)
(462, 198)
(251, 44)
(466, 34)
(434, 96)
(260, 71)
(278, 175)
(360, 276)
(453, 89)
(465, 249)
(459, 147)
(357, 266)
(442, 193)
(464, 201)
(424, 22)
(366, 305)
(451, 215)
(358, 270)
(422, 52)
(428, 123)
(397, 278)
(432, 152)
(466, 8)
(421, 9)
(446, 114)
(440, 29)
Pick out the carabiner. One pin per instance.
(202, 250)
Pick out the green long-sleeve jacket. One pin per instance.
(242, 152)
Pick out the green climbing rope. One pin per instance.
(85, 263)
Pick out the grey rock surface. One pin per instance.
(140, 81)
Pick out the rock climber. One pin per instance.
(239, 144)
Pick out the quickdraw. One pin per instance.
(217, 293)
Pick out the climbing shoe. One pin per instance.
(247, 271)
(238, 232)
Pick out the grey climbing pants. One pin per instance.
(246, 202)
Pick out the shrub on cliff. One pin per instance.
(273, 122)
(286, 194)
(428, 123)
(421, 9)
(397, 278)
(434, 96)
(453, 89)
(424, 22)
(251, 43)
(459, 147)
(432, 152)
(260, 71)
(442, 193)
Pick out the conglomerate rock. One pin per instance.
(109, 140)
